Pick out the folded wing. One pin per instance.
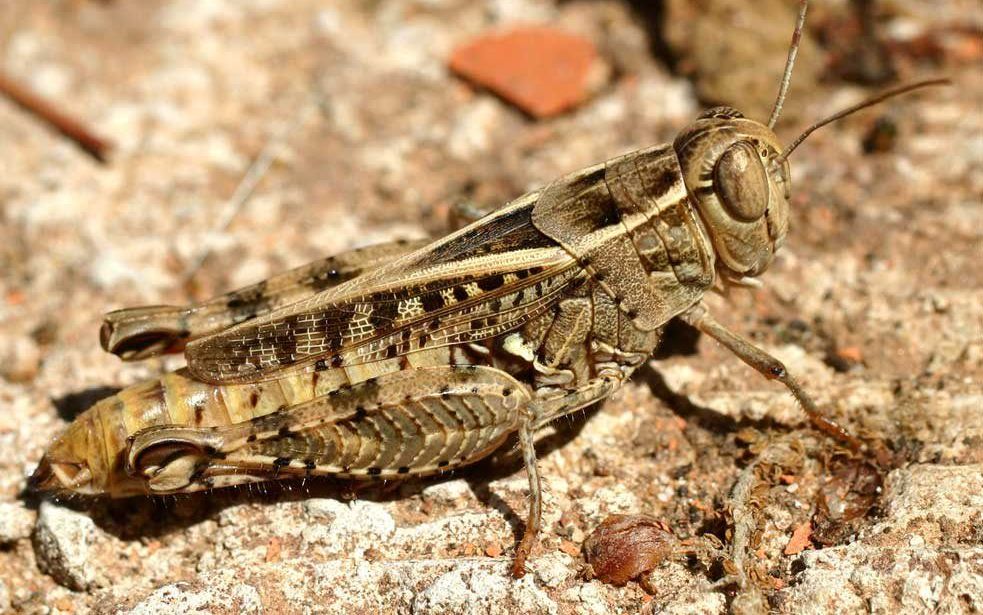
(480, 282)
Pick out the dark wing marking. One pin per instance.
(141, 332)
(414, 303)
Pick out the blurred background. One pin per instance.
(195, 146)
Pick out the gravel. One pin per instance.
(881, 266)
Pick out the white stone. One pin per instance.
(16, 523)
(448, 491)
(469, 590)
(553, 569)
(356, 525)
(61, 542)
(187, 598)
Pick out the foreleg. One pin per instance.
(768, 366)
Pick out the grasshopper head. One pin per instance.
(733, 170)
(736, 173)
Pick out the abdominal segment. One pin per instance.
(387, 419)
(410, 422)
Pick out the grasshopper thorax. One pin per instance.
(732, 170)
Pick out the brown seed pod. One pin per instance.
(624, 547)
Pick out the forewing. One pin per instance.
(481, 282)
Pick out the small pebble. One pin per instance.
(16, 523)
(20, 359)
(61, 543)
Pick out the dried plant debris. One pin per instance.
(624, 547)
(848, 494)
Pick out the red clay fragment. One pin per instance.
(801, 539)
(540, 70)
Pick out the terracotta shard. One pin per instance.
(540, 70)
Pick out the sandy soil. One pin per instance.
(876, 302)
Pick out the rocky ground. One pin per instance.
(876, 303)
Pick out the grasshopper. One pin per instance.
(415, 358)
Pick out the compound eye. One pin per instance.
(741, 182)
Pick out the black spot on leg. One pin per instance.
(284, 432)
(251, 437)
(403, 470)
(459, 293)
(320, 365)
(443, 463)
(279, 463)
(374, 471)
(309, 465)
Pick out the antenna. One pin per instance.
(793, 50)
(904, 89)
